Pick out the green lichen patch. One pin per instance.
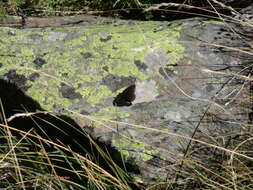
(111, 112)
(144, 153)
(213, 22)
(108, 114)
(49, 96)
(77, 57)
(94, 95)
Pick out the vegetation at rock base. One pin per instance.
(138, 9)
(29, 161)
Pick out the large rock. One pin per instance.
(184, 85)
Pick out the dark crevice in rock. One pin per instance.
(141, 66)
(39, 62)
(34, 76)
(86, 55)
(69, 92)
(106, 38)
(115, 82)
(18, 79)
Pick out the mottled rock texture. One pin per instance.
(78, 70)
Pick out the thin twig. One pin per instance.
(233, 74)
(27, 114)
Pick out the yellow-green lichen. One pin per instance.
(111, 112)
(125, 68)
(49, 95)
(25, 56)
(94, 94)
(189, 62)
(76, 41)
(212, 22)
(10, 39)
(65, 63)
(165, 129)
(108, 114)
(144, 154)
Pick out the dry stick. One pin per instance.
(27, 114)
(225, 47)
(234, 74)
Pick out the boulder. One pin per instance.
(188, 85)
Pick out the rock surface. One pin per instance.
(184, 85)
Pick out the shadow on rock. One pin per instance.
(61, 130)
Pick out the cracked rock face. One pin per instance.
(177, 75)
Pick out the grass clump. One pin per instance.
(30, 160)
